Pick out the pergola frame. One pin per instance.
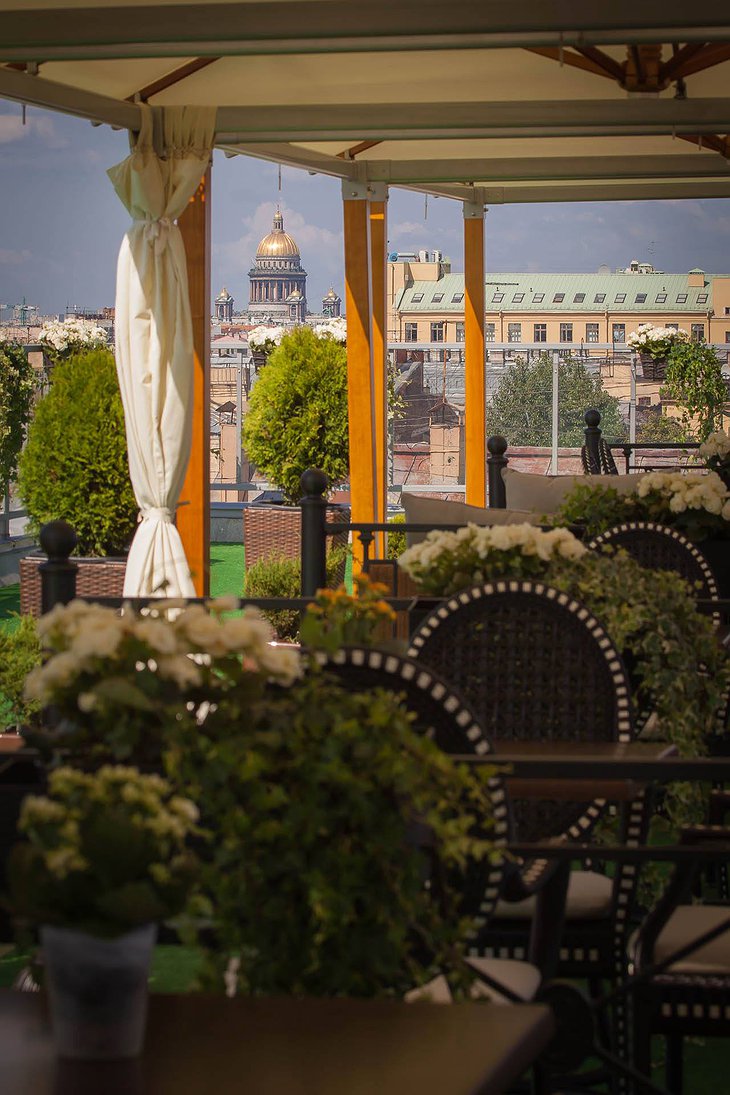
(529, 102)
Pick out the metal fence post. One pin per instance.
(314, 534)
(58, 574)
(592, 432)
(497, 447)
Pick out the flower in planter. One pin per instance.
(117, 682)
(656, 341)
(448, 561)
(715, 451)
(338, 618)
(265, 338)
(335, 328)
(62, 338)
(105, 851)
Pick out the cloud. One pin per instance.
(14, 258)
(38, 126)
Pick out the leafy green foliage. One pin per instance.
(278, 576)
(74, 465)
(17, 388)
(521, 408)
(311, 883)
(652, 425)
(694, 379)
(338, 618)
(397, 538)
(105, 852)
(597, 508)
(20, 651)
(297, 415)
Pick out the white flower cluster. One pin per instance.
(72, 334)
(688, 492)
(332, 328)
(176, 642)
(466, 552)
(716, 445)
(265, 338)
(649, 339)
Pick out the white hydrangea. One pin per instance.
(335, 328)
(265, 338)
(695, 491)
(717, 445)
(72, 333)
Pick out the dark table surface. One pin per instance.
(203, 1044)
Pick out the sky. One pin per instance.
(61, 222)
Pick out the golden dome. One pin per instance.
(278, 243)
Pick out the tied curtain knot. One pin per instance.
(157, 513)
(156, 231)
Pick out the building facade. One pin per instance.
(278, 282)
(601, 310)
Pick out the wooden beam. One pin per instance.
(707, 57)
(475, 444)
(378, 209)
(709, 140)
(673, 69)
(193, 516)
(604, 62)
(360, 388)
(172, 78)
(566, 57)
(357, 149)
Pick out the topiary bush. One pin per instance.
(297, 413)
(74, 465)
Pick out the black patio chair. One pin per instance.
(601, 463)
(536, 665)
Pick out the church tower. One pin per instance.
(278, 283)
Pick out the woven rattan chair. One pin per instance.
(535, 665)
(441, 714)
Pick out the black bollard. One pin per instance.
(58, 574)
(314, 534)
(497, 447)
(592, 431)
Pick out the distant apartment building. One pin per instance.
(426, 305)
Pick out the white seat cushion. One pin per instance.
(689, 922)
(589, 898)
(519, 977)
(544, 494)
(426, 511)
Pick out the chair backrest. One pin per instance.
(440, 713)
(662, 548)
(603, 465)
(535, 665)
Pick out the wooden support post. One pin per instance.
(193, 516)
(378, 259)
(360, 387)
(475, 428)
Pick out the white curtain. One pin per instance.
(154, 341)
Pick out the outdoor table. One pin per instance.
(197, 1044)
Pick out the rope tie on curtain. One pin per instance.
(156, 231)
(157, 513)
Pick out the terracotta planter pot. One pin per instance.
(102, 577)
(277, 530)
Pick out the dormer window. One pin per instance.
(681, 298)
(640, 298)
(599, 298)
(579, 298)
(417, 298)
(437, 298)
(518, 298)
(702, 298)
(498, 298)
(558, 298)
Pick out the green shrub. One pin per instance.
(396, 540)
(695, 381)
(277, 576)
(20, 652)
(297, 413)
(17, 387)
(74, 464)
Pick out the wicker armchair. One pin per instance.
(439, 712)
(535, 665)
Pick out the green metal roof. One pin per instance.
(574, 292)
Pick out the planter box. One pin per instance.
(277, 530)
(653, 368)
(94, 578)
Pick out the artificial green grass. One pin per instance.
(9, 607)
(227, 570)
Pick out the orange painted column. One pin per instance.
(193, 515)
(475, 445)
(360, 370)
(378, 264)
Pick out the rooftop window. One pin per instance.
(518, 298)
(661, 298)
(681, 298)
(599, 298)
(640, 298)
(538, 298)
(579, 298)
(702, 298)
(417, 298)
(437, 298)
(620, 298)
(498, 298)
(558, 298)
(457, 298)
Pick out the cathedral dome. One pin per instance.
(278, 243)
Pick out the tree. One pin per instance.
(17, 389)
(652, 425)
(521, 408)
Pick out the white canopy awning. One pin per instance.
(502, 103)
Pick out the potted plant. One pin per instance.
(297, 418)
(104, 861)
(262, 340)
(74, 466)
(694, 380)
(653, 345)
(62, 339)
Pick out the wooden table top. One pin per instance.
(200, 1044)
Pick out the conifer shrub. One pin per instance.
(278, 576)
(297, 413)
(74, 465)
